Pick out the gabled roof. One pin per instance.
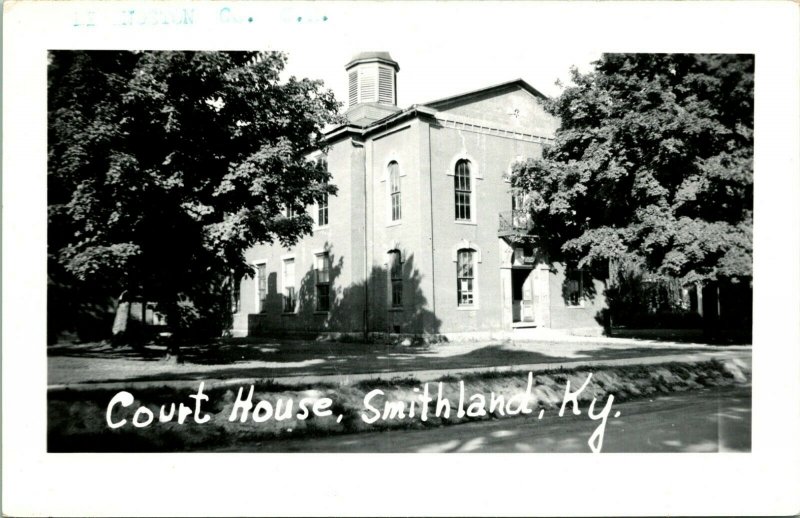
(475, 93)
(429, 109)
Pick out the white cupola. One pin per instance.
(372, 78)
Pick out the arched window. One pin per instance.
(394, 189)
(463, 190)
(465, 277)
(396, 278)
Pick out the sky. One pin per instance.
(441, 50)
(427, 76)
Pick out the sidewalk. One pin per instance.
(95, 366)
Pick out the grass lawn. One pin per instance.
(100, 362)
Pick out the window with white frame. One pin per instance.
(517, 201)
(465, 267)
(463, 191)
(261, 277)
(322, 211)
(322, 273)
(236, 295)
(322, 202)
(396, 278)
(289, 293)
(573, 288)
(394, 190)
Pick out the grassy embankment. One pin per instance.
(77, 418)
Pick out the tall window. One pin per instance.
(289, 294)
(463, 189)
(262, 287)
(394, 182)
(236, 296)
(396, 277)
(574, 287)
(466, 278)
(322, 210)
(517, 201)
(322, 273)
(322, 203)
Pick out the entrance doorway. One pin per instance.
(522, 295)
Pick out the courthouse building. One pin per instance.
(422, 236)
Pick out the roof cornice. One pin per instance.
(416, 110)
(520, 83)
(342, 131)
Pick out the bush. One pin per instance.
(639, 301)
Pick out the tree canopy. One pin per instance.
(165, 167)
(652, 165)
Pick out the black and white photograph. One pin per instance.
(424, 238)
(238, 262)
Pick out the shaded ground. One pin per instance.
(709, 420)
(98, 362)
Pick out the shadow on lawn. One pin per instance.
(108, 351)
(269, 360)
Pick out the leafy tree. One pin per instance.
(652, 166)
(164, 167)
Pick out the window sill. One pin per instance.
(289, 314)
(318, 312)
(395, 223)
(460, 222)
(324, 227)
(396, 309)
(580, 306)
(467, 308)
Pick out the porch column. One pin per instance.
(699, 289)
(506, 253)
(541, 294)
(505, 294)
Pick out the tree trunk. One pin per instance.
(174, 353)
(120, 326)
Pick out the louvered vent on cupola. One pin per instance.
(372, 79)
(385, 85)
(353, 88)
